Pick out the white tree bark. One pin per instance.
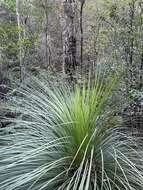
(21, 49)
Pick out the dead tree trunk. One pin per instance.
(69, 38)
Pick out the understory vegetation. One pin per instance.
(68, 139)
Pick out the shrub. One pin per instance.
(65, 139)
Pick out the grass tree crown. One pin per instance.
(65, 139)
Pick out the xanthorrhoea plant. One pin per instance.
(63, 140)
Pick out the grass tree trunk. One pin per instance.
(21, 49)
(69, 38)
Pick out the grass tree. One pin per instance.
(66, 139)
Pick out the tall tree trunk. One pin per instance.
(130, 48)
(81, 31)
(69, 38)
(141, 72)
(45, 41)
(47, 46)
(141, 64)
(21, 49)
(47, 60)
(132, 15)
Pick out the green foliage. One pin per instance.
(113, 11)
(10, 4)
(8, 34)
(65, 139)
(9, 39)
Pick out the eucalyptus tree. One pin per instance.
(69, 37)
(21, 48)
(81, 30)
(45, 37)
